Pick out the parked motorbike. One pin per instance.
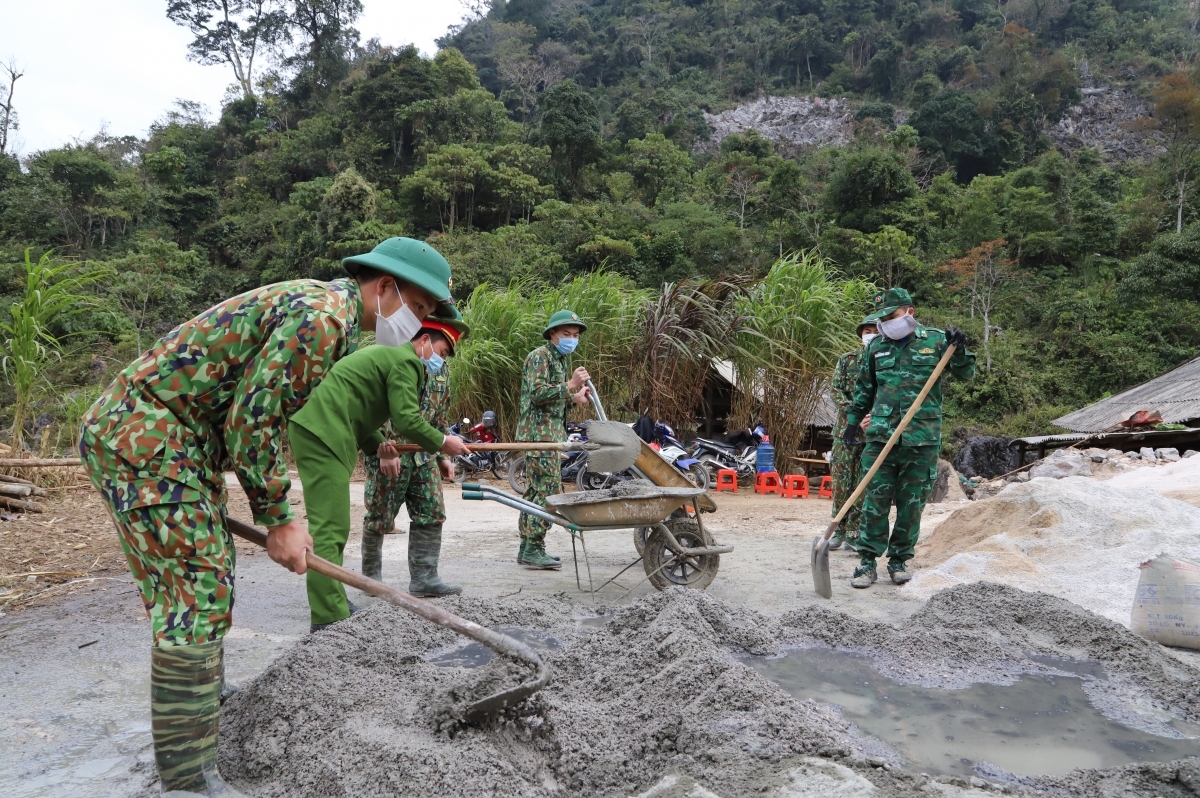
(467, 466)
(739, 454)
(574, 464)
(674, 452)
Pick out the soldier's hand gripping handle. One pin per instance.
(956, 337)
(287, 545)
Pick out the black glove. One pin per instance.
(852, 436)
(956, 337)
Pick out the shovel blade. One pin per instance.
(820, 567)
(612, 446)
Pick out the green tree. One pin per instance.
(864, 184)
(570, 126)
(232, 32)
(659, 167)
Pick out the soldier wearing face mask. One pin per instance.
(895, 367)
(414, 479)
(844, 463)
(344, 415)
(546, 393)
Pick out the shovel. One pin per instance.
(611, 446)
(500, 643)
(820, 547)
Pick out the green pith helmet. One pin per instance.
(409, 260)
(870, 318)
(562, 319)
(887, 301)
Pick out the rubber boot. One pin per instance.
(536, 557)
(372, 555)
(424, 550)
(185, 707)
(836, 541)
(525, 549)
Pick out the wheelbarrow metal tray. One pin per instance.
(627, 505)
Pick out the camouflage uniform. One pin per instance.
(419, 485)
(888, 382)
(845, 464)
(212, 395)
(544, 399)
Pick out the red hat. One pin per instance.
(454, 331)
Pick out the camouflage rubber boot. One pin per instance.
(185, 706)
(372, 556)
(864, 575)
(898, 572)
(424, 550)
(536, 557)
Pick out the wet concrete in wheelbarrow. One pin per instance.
(656, 700)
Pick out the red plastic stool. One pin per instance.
(767, 482)
(726, 480)
(826, 489)
(795, 486)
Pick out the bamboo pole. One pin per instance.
(17, 504)
(39, 462)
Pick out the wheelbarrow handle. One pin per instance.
(521, 446)
(483, 493)
(494, 640)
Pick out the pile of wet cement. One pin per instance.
(654, 695)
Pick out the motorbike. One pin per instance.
(574, 464)
(674, 452)
(739, 454)
(469, 465)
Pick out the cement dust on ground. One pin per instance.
(76, 718)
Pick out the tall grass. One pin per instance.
(51, 294)
(507, 323)
(798, 320)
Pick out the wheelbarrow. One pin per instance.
(683, 554)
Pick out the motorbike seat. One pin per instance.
(713, 444)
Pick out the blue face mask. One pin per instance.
(434, 363)
(567, 345)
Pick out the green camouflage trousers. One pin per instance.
(904, 479)
(181, 557)
(418, 487)
(845, 466)
(543, 471)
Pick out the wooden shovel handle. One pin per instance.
(534, 446)
(887, 447)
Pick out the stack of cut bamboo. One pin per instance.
(16, 494)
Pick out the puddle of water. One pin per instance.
(476, 655)
(1038, 726)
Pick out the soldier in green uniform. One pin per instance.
(895, 368)
(545, 391)
(215, 395)
(844, 463)
(342, 416)
(414, 479)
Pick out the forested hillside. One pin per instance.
(551, 139)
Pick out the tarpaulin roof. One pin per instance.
(824, 414)
(1176, 395)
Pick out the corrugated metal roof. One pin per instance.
(1112, 437)
(1176, 395)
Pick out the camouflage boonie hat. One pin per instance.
(871, 318)
(562, 319)
(887, 301)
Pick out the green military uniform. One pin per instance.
(211, 396)
(845, 462)
(343, 415)
(543, 415)
(419, 485)
(891, 376)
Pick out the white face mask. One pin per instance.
(900, 328)
(868, 338)
(398, 328)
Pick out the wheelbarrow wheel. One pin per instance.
(639, 539)
(517, 478)
(694, 572)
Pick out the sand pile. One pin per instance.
(652, 702)
(1077, 538)
(1179, 480)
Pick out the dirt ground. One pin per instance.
(73, 653)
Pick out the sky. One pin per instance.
(121, 64)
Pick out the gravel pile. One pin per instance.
(652, 702)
